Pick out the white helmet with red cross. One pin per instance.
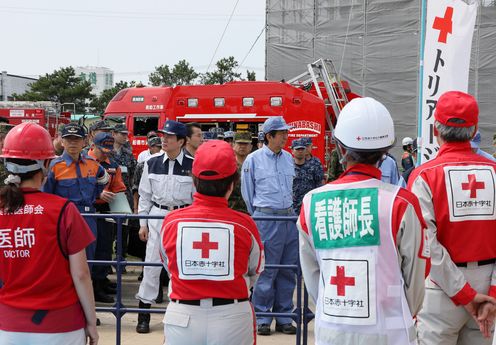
(365, 124)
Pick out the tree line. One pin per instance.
(64, 86)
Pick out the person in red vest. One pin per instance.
(213, 255)
(46, 295)
(456, 191)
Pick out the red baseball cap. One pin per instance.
(457, 105)
(214, 160)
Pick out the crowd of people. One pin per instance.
(389, 255)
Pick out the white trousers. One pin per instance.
(150, 284)
(441, 322)
(22, 338)
(206, 325)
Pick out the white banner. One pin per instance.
(448, 42)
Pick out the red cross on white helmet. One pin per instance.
(365, 124)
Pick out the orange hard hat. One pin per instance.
(28, 141)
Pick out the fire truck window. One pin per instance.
(144, 124)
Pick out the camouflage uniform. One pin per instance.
(137, 176)
(335, 167)
(308, 176)
(236, 201)
(126, 159)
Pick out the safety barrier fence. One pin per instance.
(301, 315)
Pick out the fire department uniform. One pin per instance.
(165, 185)
(362, 256)
(38, 300)
(79, 181)
(213, 255)
(456, 194)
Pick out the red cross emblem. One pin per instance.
(358, 138)
(473, 185)
(341, 281)
(444, 25)
(205, 245)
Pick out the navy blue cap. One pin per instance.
(104, 141)
(275, 123)
(298, 144)
(174, 128)
(306, 140)
(73, 130)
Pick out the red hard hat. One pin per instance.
(28, 141)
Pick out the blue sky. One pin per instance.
(129, 37)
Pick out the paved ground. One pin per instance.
(129, 335)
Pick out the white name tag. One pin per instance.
(205, 251)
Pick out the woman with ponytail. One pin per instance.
(46, 295)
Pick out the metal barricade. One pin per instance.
(301, 314)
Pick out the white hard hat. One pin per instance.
(364, 124)
(407, 141)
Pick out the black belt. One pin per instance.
(479, 263)
(170, 208)
(215, 301)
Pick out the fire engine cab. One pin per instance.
(310, 106)
(47, 114)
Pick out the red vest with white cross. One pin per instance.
(462, 185)
(34, 271)
(210, 251)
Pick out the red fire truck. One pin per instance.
(47, 114)
(236, 106)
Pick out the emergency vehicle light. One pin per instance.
(192, 102)
(276, 101)
(248, 101)
(219, 102)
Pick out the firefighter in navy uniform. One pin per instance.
(456, 194)
(165, 185)
(46, 297)
(217, 261)
(362, 248)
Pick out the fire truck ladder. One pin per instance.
(324, 70)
